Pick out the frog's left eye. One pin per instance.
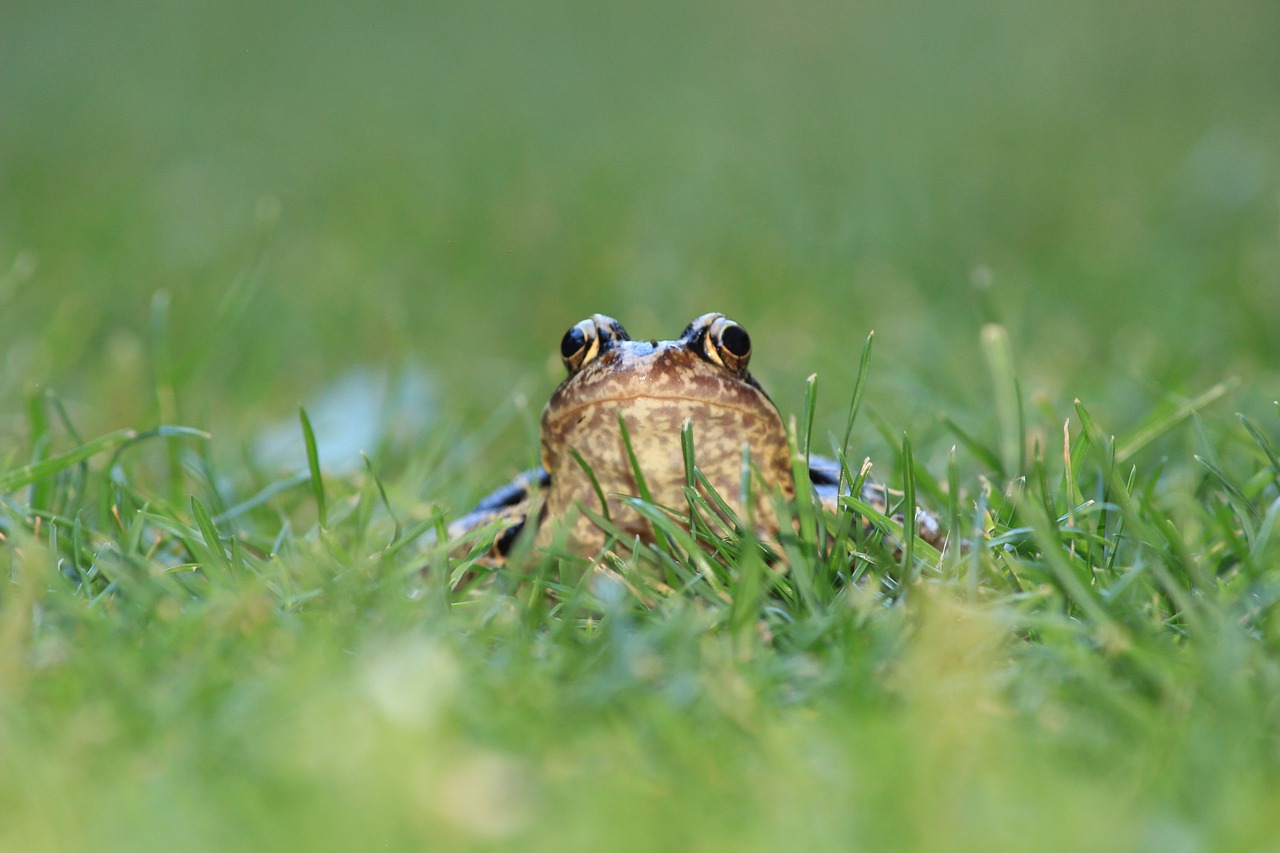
(728, 344)
(588, 339)
(579, 345)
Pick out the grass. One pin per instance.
(1060, 222)
(1097, 670)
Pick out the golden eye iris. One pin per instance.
(728, 344)
(588, 338)
(579, 345)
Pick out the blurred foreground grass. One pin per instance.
(391, 212)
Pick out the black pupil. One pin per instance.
(574, 340)
(736, 341)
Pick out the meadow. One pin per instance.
(281, 292)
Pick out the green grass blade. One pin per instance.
(28, 474)
(1069, 578)
(264, 495)
(1073, 495)
(1231, 487)
(162, 431)
(805, 434)
(1164, 423)
(213, 551)
(909, 567)
(313, 465)
(988, 457)
(892, 527)
(859, 385)
(712, 500)
(64, 417)
(595, 484)
(1263, 443)
(382, 494)
(749, 589)
(687, 454)
(38, 426)
(1151, 535)
(642, 487)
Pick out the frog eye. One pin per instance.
(728, 344)
(586, 340)
(579, 345)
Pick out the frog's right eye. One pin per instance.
(579, 345)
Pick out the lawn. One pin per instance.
(281, 292)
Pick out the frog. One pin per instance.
(622, 409)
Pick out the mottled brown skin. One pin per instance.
(656, 387)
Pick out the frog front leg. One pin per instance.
(510, 508)
(824, 473)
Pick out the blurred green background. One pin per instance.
(442, 189)
(389, 211)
